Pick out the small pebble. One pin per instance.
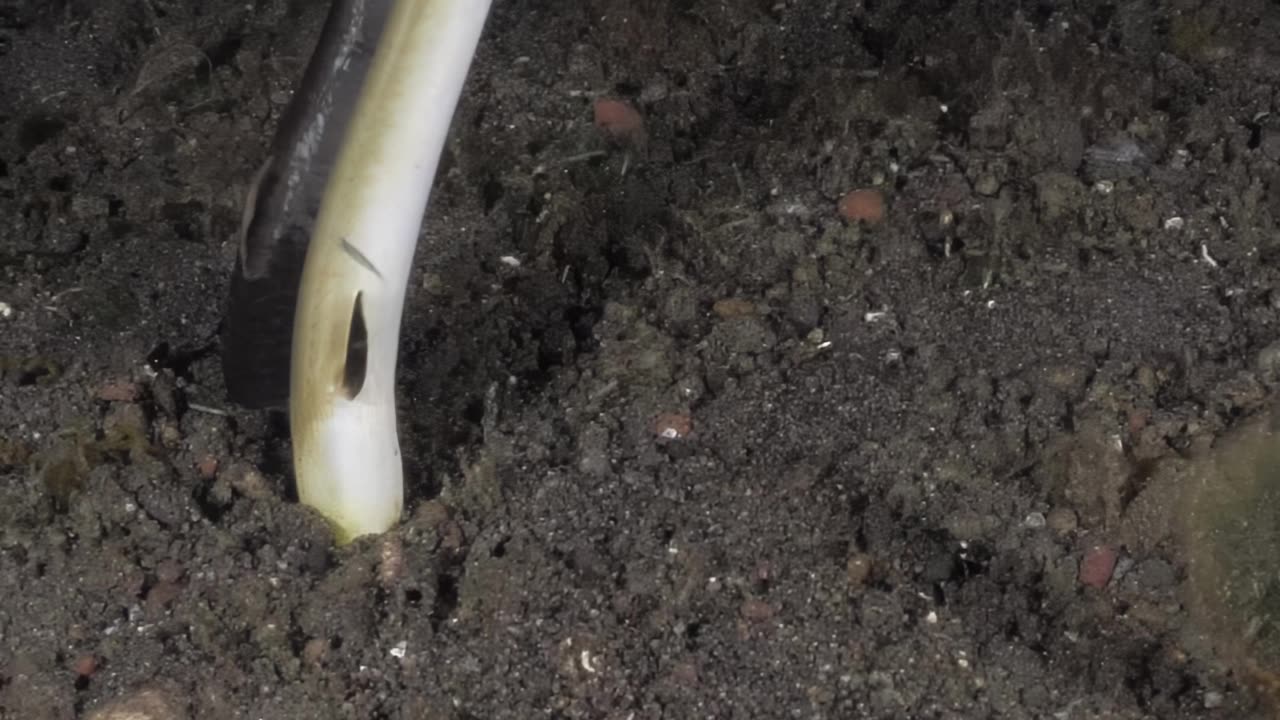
(673, 426)
(685, 673)
(169, 571)
(1097, 566)
(141, 705)
(1137, 420)
(1122, 568)
(690, 388)
(1156, 574)
(1270, 143)
(170, 435)
(119, 391)
(161, 595)
(1062, 520)
(987, 185)
(390, 561)
(85, 665)
(1268, 362)
(756, 610)
(733, 307)
(766, 571)
(618, 119)
(1034, 520)
(1213, 699)
(434, 513)
(858, 569)
(249, 482)
(315, 651)
(434, 284)
(866, 205)
(207, 467)
(452, 538)
(1147, 378)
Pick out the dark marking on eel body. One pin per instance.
(359, 257)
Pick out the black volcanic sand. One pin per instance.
(681, 440)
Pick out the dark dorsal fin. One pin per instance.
(284, 200)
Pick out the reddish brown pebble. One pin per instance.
(452, 537)
(618, 119)
(858, 569)
(161, 595)
(85, 665)
(733, 308)
(207, 467)
(169, 571)
(433, 513)
(249, 482)
(121, 391)
(756, 610)
(132, 583)
(315, 651)
(1137, 421)
(14, 452)
(685, 673)
(672, 426)
(864, 205)
(1097, 565)
(390, 561)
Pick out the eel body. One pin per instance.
(342, 400)
(284, 200)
